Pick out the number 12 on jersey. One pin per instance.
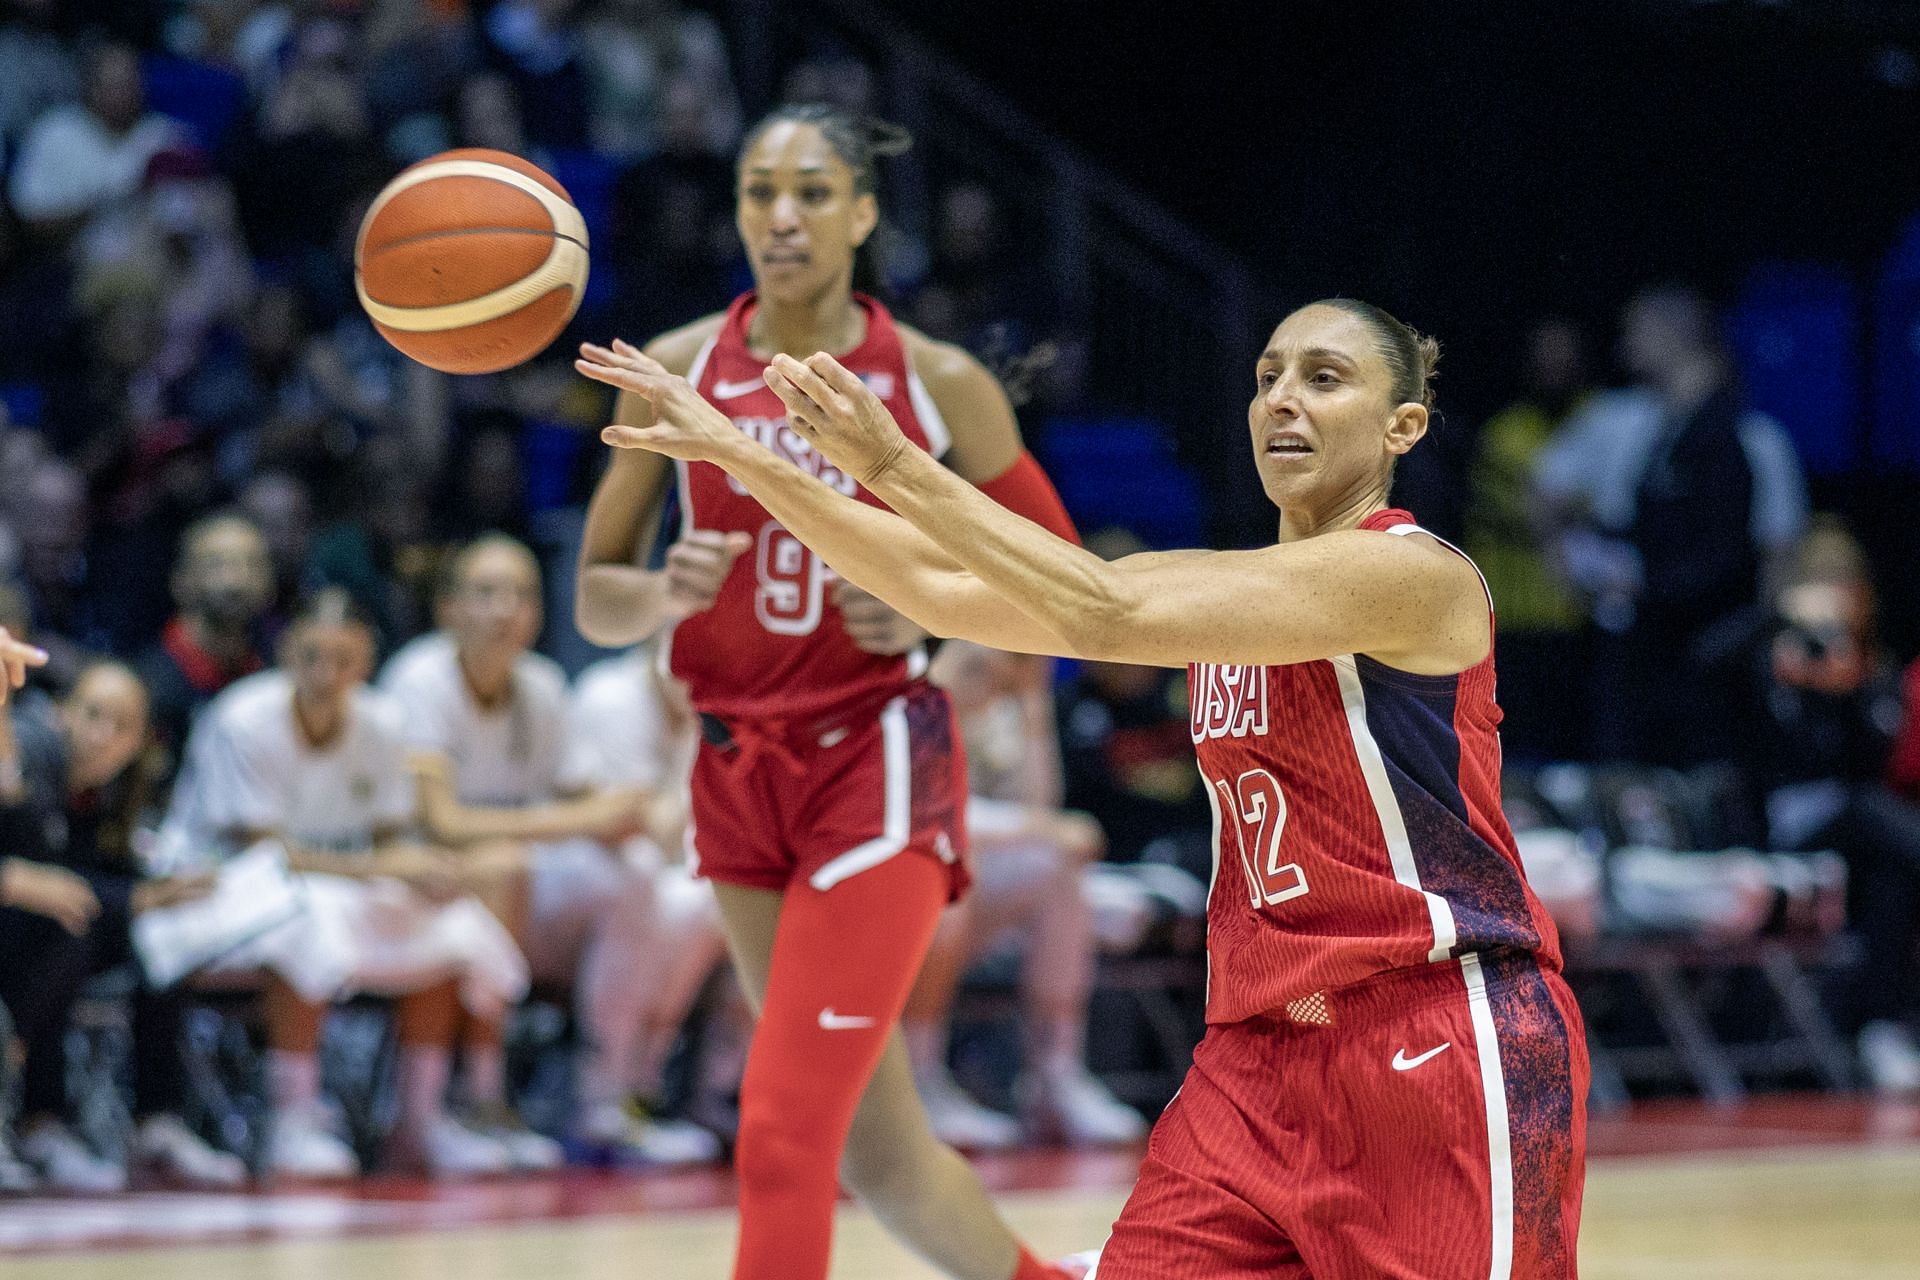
(1257, 811)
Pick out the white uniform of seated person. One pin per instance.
(308, 760)
(501, 775)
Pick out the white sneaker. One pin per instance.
(526, 1150)
(1889, 1057)
(1076, 1107)
(66, 1164)
(959, 1121)
(303, 1145)
(448, 1149)
(165, 1144)
(619, 1133)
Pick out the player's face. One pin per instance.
(496, 602)
(798, 214)
(105, 718)
(1324, 422)
(327, 660)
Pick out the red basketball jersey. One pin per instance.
(1357, 825)
(773, 644)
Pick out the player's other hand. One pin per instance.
(875, 625)
(696, 567)
(684, 424)
(15, 658)
(836, 412)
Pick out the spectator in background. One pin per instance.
(499, 776)
(538, 44)
(378, 545)
(38, 72)
(994, 303)
(53, 521)
(75, 160)
(281, 508)
(674, 245)
(485, 490)
(1128, 753)
(1541, 622)
(72, 789)
(1030, 861)
(308, 152)
(640, 731)
(222, 585)
(637, 53)
(304, 763)
(1829, 706)
(1669, 504)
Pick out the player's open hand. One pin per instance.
(15, 658)
(684, 424)
(837, 413)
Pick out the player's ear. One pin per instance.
(1405, 428)
(866, 216)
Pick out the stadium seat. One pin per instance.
(1896, 424)
(205, 98)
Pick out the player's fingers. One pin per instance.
(791, 393)
(737, 543)
(714, 538)
(636, 357)
(809, 383)
(627, 379)
(838, 376)
(624, 437)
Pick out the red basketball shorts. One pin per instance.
(827, 797)
(1432, 1127)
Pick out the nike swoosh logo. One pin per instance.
(831, 1021)
(1401, 1062)
(834, 737)
(734, 390)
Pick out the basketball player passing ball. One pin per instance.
(1393, 1077)
(828, 794)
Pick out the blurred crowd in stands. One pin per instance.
(300, 591)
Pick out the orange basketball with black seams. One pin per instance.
(471, 261)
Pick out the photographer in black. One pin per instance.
(1829, 706)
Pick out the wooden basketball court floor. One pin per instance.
(1821, 1188)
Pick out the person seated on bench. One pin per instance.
(74, 778)
(307, 757)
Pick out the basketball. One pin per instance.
(471, 261)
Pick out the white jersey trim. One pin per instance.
(939, 439)
(1213, 880)
(897, 811)
(1402, 530)
(1493, 1088)
(1386, 806)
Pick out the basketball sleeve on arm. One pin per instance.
(1024, 489)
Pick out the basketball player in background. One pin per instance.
(500, 776)
(1393, 1076)
(828, 792)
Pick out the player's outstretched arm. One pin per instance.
(874, 549)
(1406, 601)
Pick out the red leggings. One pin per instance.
(843, 963)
